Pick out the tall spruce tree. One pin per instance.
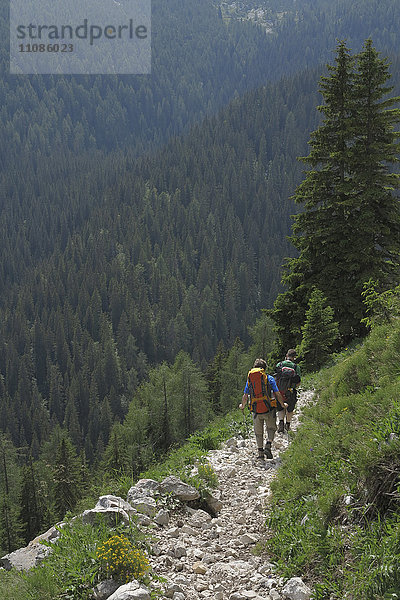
(66, 477)
(349, 229)
(30, 509)
(375, 148)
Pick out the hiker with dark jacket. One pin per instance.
(262, 393)
(287, 377)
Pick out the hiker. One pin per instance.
(287, 377)
(262, 393)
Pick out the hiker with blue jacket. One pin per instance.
(262, 395)
(287, 378)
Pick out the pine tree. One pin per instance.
(262, 335)
(374, 149)
(319, 331)
(349, 229)
(66, 478)
(233, 374)
(135, 436)
(115, 456)
(10, 525)
(189, 394)
(30, 512)
(214, 378)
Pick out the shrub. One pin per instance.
(75, 559)
(207, 473)
(120, 560)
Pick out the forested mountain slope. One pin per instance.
(200, 60)
(180, 252)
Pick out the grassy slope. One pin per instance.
(336, 501)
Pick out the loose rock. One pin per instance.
(296, 589)
(173, 485)
(131, 591)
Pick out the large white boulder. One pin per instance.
(35, 552)
(183, 491)
(131, 591)
(112, 515)
(115, 502)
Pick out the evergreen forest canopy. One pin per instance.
(112, 264)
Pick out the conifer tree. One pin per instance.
(66, 478)
(375, 148)
(189, 397)
(349, 229)
(115, 459)
(233, 375)
(134, 435)
(320, 332)
(214, 378)
(10, 526)
(30, 511)
(262, 335)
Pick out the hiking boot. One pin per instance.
(280, 427)
(260, 454)
(287, 426)
(267, 451)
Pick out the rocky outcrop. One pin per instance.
(34, 553)
(131, 591)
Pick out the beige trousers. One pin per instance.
(269, 419)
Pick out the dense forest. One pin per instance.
(180, 254)
(144, 221)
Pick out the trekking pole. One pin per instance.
(246, 423)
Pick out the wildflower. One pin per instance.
(120, 561)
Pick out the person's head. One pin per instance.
(259, 363)
(291, 354)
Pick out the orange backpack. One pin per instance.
(260, 391)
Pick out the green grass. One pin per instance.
(336, 501)
(37, 584)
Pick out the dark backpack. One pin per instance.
(286, 377)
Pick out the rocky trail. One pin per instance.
(214, 558)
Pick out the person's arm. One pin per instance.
(245, 400)
(245, 397)
(280, 398)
